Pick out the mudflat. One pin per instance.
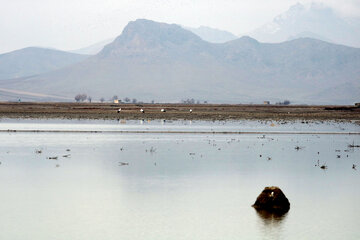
(177, 111)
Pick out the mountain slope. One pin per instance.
(94, 48)
(151, 60)
(315, 20)
(212, 35)
(32, 60)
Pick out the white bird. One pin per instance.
(163, 110)
(142, 111)
(190, 110)
(119, 110)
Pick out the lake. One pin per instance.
(177, 179)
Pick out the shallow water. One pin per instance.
(176, 186)
(180, 125)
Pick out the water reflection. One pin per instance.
(271, 224)
(121, 121)
(271, 218)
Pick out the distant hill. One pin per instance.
(33, 60)
(315, 21)
(309, 35)
(164, 62)
(212, 35)
(94, 48)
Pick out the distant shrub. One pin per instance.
(285, 102)
(80, 97)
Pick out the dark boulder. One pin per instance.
(273, 200)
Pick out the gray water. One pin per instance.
(176, 186)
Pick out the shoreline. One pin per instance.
(179, 132)
(206, 112)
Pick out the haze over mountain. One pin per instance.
(94, 48)
(33, 60)
(212, 35)
(164, 62)
(314, 20)
(309, 35)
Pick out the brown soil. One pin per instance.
(177, 111)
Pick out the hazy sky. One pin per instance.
(72, 24)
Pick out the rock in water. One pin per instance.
(272, 199)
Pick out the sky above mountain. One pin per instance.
(69, 25)
(313, 20)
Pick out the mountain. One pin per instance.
(212, 35)
(94, 48)
(33, 60)
(314, 20)
(206, 33)
(167, 63)
(309, 35)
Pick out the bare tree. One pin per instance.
(189, 101)
(134, 100)
(89, 98)
(80, 97)
(102, 99)
(126, 99)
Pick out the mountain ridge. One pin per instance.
(212, 35)
(164, 62)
